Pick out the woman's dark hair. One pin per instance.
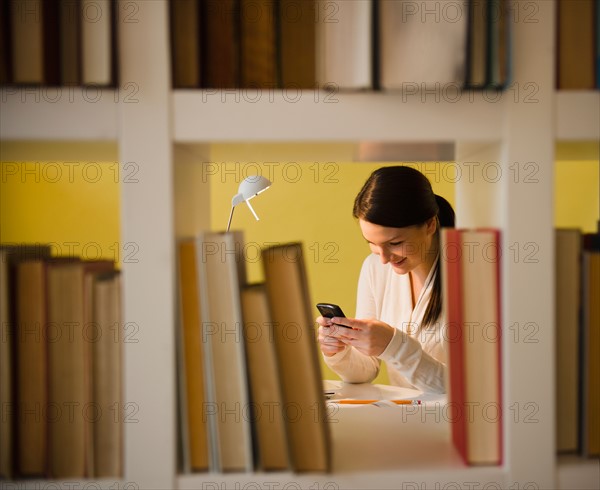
(402, 196)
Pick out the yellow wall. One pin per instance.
(310, 201)
(577, 200)
(73, 207)
(577, 186)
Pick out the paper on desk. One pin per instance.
(368, 391)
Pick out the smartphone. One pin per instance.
(329, 310)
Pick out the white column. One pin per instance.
(528, 250)
(148, 231)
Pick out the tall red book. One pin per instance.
(471, 288)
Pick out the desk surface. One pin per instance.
(377, 437)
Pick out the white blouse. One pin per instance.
(414, 360)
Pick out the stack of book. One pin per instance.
(58, 42)
(249, 376)
(339, 44)
(61, 365)
(577, 342)
(471, 290)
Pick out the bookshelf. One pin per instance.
(167, 133)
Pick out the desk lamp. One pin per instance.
(250, 187)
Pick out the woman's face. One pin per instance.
(404, 248)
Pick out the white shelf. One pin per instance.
(424, 478)
(253, 115)
(59, 113)
(79, 114)
(575, 473)
(387, 445)
(577, 115)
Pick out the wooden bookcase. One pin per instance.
(167, 133)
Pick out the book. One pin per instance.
(220, 44)
(450, 263)
(10, 256)
(422, 50)
(32, 368)
(567, 308)
(192, 398)
(576, 57)
(227, 405)
(97, 31)
(259, 44)
(477, 45)
(263, 374)
(590, 368)
(5, 44)
(474, 349)
(597, 45)
(297, 357)
(6, 369)
(345, 45)
(67, 370)
(106, 377)
(51, 42)
(498, 42)
(375, 46)
(27, 38)
(185, 43)
(70, 42)
(297, 47)
(69, 364)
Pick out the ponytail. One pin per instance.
(434, 308)
(445, 212)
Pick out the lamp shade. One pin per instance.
(250, 187)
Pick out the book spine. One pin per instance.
(6, 47)
(597, 26)
(452, 280)
(51, 45)
(70, 42)
(375, 45)
(96, 33)
(27, 35)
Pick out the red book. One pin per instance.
(452, 294)
(471, 273)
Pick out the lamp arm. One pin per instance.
(230, 217)
(252, 209)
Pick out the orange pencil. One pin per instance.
(367, 402)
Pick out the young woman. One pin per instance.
(399, 303)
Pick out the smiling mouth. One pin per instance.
(399, 263)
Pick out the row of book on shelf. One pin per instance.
(251, 394)
(369, 44)
(59, 42)
(297, 44)
(577, 306)
(249, 379)
(60, 355)
(362, 44)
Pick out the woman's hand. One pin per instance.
(329, 345)
(370, 337)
